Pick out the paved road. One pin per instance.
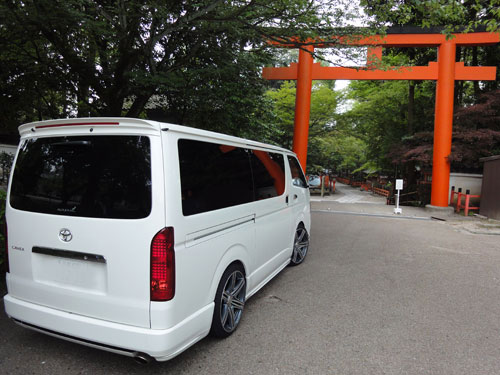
(375, 296)
(348, 194)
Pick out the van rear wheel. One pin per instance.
(300, 246)
(229, 302)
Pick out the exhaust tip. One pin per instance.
(143, 358)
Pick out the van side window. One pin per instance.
(298, 178)
(268, 174)
(213, 176)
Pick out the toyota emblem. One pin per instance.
(65, 235)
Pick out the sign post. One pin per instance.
(399, 187)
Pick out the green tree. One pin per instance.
(3, 197)
(282, 112)
(405, 134)
(452, 15)
(379, 115)
(331, 144)
(196, 63)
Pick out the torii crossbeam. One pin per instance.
(445, 71)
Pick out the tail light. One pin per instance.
(163, 265)
(6, 244)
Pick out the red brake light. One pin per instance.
(76, 124)
(163, 265)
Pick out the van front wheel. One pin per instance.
(300, 246)
(229, 301)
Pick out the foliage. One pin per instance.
(330, 144)
(370, 168)
(6, 161)
(396, 118)
(471, 145)
(5, 164)
(476, 134)
(199, 64)
(282, 113)
(3, 196)
(352, 151)
(484, 114)
(379, 115)
(416, 148)
(452, 15)
(468, 146)
(195, 63)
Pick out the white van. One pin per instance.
(140, 237)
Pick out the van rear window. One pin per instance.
(86, 176)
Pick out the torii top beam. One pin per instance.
(376, 43)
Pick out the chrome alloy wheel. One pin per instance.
(232, 301)
(300, 246)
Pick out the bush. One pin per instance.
(5, 166)
(3, 196)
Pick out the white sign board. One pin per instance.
(399, 187)
(399, 184)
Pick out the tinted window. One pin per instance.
(298, 178)
(213, 176)
(89, 176)
(268, 173)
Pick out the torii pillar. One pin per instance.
(303, 104)
(445, 71)
(443, 124)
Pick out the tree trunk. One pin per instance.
(477, 90)
(411, 107)
(139, 104)
(82, 99)
(458, 85)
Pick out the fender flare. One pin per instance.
(235, 253)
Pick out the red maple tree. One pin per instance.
(476, 134)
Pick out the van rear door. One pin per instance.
(82, 211)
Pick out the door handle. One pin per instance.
(286, 199)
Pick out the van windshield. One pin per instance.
(86, 176)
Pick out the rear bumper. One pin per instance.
(118, 338)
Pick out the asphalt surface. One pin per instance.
(376, 295)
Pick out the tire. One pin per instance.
(229, 302)
(300, 246)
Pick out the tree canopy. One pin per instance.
(396, 118)
(184, 61)
(333, 143)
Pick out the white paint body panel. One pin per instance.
(112, 308)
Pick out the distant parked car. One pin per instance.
(314, 182)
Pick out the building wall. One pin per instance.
(490, 192)
(466, 181)
(9, 149)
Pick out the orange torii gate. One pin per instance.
(445, 71)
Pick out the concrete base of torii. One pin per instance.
(440, 210)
